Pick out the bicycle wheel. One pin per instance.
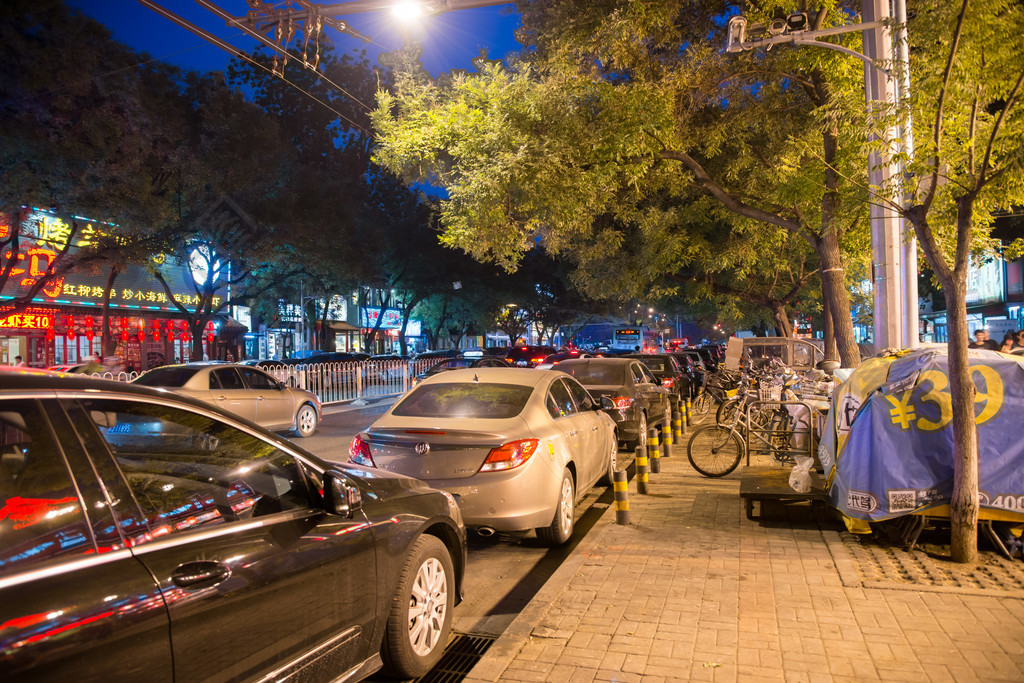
(714, 451)
(781, 435)
(701, 407)
(727, 411)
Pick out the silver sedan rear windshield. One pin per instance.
(465, 399)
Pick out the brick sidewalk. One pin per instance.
(692, 590)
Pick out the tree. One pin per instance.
(967, 77)
(622, 110)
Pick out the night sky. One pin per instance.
(450, 40)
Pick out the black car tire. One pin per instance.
(641, 434)
(305, 420)
(560, 529)
(425, 587)
(613, 462)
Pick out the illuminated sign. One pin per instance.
(392, 318)
(134, 288)
(27, 321)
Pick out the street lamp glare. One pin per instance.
(407, 10)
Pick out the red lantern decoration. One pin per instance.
(89, 334)
(71, 333)
(184, 324)
(142, 335)
(124, 323)
(210, 338)
(50, 334)
(124, 335)
(88, 321)
(69, 321)
(156, 334)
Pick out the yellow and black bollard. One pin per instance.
(686, 415)
(677, 421)
(642, 470)
(621, 488)
(654, 450)
(666, 439)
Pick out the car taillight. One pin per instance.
(509, 455)
(622, 402)
(667, 382)
(536, 360)
(359, 453)
(509, 360)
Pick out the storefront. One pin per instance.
(65, 324)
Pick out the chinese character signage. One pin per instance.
(135, 288)
(392, 318)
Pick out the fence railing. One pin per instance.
(336, 382)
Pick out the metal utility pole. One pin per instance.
(894, 262)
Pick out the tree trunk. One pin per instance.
(783, 327)
(831, 351)
(964, 504)
(833, 292)
(107, 342)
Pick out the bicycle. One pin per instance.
(716, 450)
(718, 389)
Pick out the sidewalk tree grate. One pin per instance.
(460, 656)
(879, 562)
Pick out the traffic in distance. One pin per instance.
(135, 512)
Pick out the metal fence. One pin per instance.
(336, 382)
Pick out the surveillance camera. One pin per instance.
(776, 27)
(737, 34)
(796, 22)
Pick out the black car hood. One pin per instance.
(384, 483)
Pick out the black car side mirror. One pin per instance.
(341, 496)
(606, 404)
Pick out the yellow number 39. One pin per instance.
(989, 393)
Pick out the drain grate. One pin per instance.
(460, 656)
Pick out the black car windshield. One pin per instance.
(465, 399)
(596, 374)
(166, 377)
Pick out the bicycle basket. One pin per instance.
(770, 392)
(730, 393)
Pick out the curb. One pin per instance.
(503, 651)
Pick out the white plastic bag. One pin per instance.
(800, 477)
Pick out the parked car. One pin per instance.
(528, 356)
(459, 363)
(695, 368)
(245, 391)
(555, 358)
(149, 536)
(518, 448)
(637, 399)
(435, 355)
(666, 369)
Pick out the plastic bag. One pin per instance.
(800, 477)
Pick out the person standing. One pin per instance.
(19, 362)
(1009, 341)
(982, 341)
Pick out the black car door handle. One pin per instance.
(199, 574)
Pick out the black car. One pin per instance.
(146, 535)
(528, 356)
(459, 363)
(638, 398)
(692, 362)
(666, 369)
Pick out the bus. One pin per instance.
(636, 339)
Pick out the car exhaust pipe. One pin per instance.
(485, 531)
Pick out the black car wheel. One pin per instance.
(641, 434)
(420, 620)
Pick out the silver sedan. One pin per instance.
(242, 390)
(517, 447)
